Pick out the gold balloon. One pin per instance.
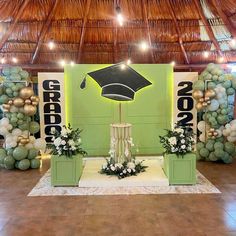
(199, 106)
(6, 106)
(212, 129)
(197, 94)
(24, 140)
(204, 104)
(34, 103)
(33, 98)
(10, 102)
(209, 134)
(37, 99)
(18, 102)
(6, 110)
(201, 100)
(208, 102)
(206, 99)
(27, 101)
(29, 110)
(210, 93)
(19, 138)
(215, 133)
(26, 92)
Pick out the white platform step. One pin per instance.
(153, 176)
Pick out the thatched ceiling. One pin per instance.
(86, 31)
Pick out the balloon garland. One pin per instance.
(19, 104)
(214, 93)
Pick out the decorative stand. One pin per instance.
(121, 142)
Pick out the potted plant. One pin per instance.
(179, 158)
(66, 160)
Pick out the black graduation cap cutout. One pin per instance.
(118, 82)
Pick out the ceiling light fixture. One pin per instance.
(173, 63)
(128, 62)
(72, 63)
(122, 66)
(62, 62)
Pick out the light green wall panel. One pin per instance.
(149, 113)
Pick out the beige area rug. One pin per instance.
(107, 185)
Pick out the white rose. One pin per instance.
(113, 168)
(64, 132)
(71, 142)
(57, 141)
(79, 140)
(183, 146)
(179, 130)
(137, 162)
(129, 170)
(182, 141)
(130, 165)
(118, 165)
(104, 166)
(172, 140)
(124, 171)
(63, 142)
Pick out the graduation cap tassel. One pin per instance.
(83, 83)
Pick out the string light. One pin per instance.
(221, 59)
(206, 54)
(3, 60)
(119, 16)
(233, 42)
(51, 45)
(72, 63)
(143, 46)
(173, 63)
(62, 62)
(128, 62)
(14, 60)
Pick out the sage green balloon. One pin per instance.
(226, 158)
(219, 153)
(200, 145)
(15, 94)
(15, 77)
(3, 152)
(20, 115)
(234, 82)
(229, 147)
(227, 84)
(10, 151)
(220, 139)
(204, 152)
(210, 146)
(24, 164)
(32, 153)
(20, 153)
(34, 127)
(230, 91)
(215, 77)
(35, 163)
(24, 75)
(198, 156)
(6, 71)
(219, 145)
(213, 157)
(15, 69)
(211, 85)
(199, 85)
(4, 99)
(2, 160)
(24, 126)
(17, 164)
(9, 91)
(9, 161)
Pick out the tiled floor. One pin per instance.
(118, 215)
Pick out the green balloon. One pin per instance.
(32, 153)
(218, 145)
(35, 163)
(210, 67)
(224, 105)
(2, 160)
(211, 85)
(13, 120)
(222, 119)
(229, 147)
(219, 152)
(227, 84)
(24, 75)
(198, 156)
(14, 77)
(24, 164)
(9, 161)
(221, 78)
(10, 151)
(214, 114)
(17, 164)
(34, 127)
(6, 71)
(20, 153)
(24, 126)
(9, 91)
(20, 122)
(15, 69)
(215, 77)
(200, 145)
(1, 90)
(3, 152)
(220, 139)
(224, 111)
(226, 158)
(210, 145)
(204, 152)
(234, 82)
(15, 94)
(4, 99)
(20, 115)
(230, 91)
(213, 157)
(199, 85)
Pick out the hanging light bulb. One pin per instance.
(72, 63)
(221, 59)
(3, 60)
(62, 62)
(206, 54)
(51, 45)
(173, 63)
(128, 62)
(143, 46)
(122, 66)
(14, 60)
(119, 16)
(233, 42)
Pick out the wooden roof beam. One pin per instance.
(13, 24)
(178, 31)
(225, 19)
(44, 31)
(115, 33)
(208, 27)
(148, 29)
(81, 43)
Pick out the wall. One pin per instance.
(149, 113)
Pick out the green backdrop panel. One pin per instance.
(149, 113)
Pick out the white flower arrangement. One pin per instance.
(179, 140)
(124, 169)
(67, 142)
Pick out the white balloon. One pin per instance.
(201, 126)
(16, 132)
(226, 132)
(40, 144)
(29, 145)
(13, 144)
(25, 133)
(4, 121)
(202, 137)
(214, 105)
(231, 139)
(9, 127)
(219, 133)
(3, 131)
(32, 139)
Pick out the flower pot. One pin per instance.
(180, 170)
(66, 171)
